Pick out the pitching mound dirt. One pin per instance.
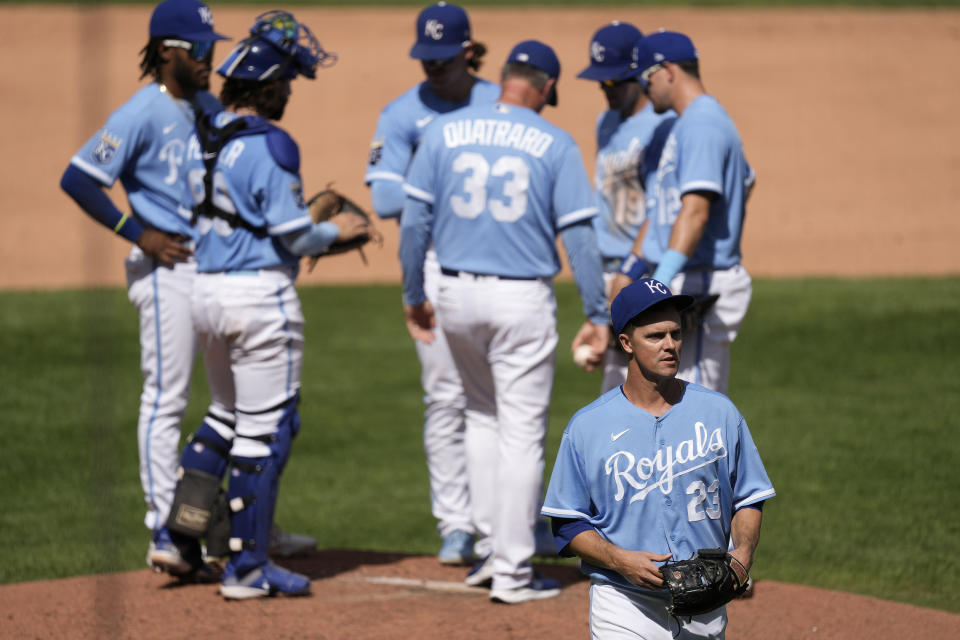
(360, 595)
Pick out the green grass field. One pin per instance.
(849, 387)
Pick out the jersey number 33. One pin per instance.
(477, 171)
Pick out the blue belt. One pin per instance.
(477, 276)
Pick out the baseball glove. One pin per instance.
(325, 205)
(703, 583)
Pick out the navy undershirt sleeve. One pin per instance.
(89, 194)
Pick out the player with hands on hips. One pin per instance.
(650, 471)
(252, 226)
(143, 145)
(627, 133)
(450, 59)
(697, 204)
(491, 186)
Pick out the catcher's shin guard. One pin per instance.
(252, 494)
(202, 465)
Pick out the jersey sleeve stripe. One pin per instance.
(292, 225)
(382, 175)
(701, 185)
(419, 194)
(576, 216)
(757, 497)
(92, 171)
(563, 513)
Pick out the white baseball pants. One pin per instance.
(619, 614)
(705, 355)
(250, 328)
(168, 348)
(503, 337)
(443, 427)
(615, 361)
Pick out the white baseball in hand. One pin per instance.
(582, 354)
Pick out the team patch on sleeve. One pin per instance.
(106, 148)
(376, 152)
(297, 190)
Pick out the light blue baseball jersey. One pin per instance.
(501, 182)
(667, 484)
(402, 123)
(702, 153)
(619, 177)
(143, 144)
(248, 181)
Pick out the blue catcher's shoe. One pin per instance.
(457, 548)
(265, 581)
(481, 575)
(539, 588)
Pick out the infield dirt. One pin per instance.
(366, 596)
(849, 117)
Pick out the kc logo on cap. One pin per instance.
(637, 297)
(597, 50)
(443, 31)
(433, 29)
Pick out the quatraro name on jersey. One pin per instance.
(490, 132)
(637, 475)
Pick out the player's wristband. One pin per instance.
(128, 228)
(634, 266)
(670, 265)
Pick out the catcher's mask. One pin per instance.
(278, 47)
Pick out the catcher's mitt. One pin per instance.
(328, 203)
(703, 583)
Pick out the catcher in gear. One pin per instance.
(323, 207)
(653, 470)
(252, 226)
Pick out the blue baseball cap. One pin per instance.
(187, 19)
(640, 296)
(443, 31)
(541, 56)
(665, 46)
(613, 52)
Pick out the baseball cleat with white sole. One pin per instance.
(539, 588)
(163, 555)
(457, 548)
(481, 575)
(266, 581)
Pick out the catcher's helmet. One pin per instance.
(278, 47)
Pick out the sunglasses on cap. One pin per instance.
(616, 83)
(196, 50)
(649, 71)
